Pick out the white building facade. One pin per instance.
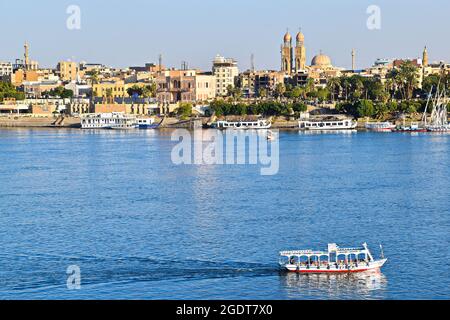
(225, 71)
(6, 69)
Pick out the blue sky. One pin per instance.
(132, 32)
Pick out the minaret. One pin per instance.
(425, 57)
(300, 52)
(286, 54)
(353, 59)
(26, 56)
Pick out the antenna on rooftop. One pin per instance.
(252, 62)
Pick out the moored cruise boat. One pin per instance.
(380, 126)
(114, 120)
(242, 125)
(334, 260)
(345, 124)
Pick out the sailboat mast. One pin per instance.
(424, 117)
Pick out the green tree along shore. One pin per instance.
(7, 90)
(59, 92)
(354, 95)
(265, 108)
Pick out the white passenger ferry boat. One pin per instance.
(380, 126)
(345, 124)
(242, 125)
(334, 260)
(114, 120)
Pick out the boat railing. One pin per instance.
(295, 252)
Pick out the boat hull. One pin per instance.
(373, 266)
(380, 130)
(331, 128)
(411, 131)
(148, 126)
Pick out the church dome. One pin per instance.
(287, 37)
(300, 37)
(321, 60)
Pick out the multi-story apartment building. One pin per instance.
(226, 72)
(185, 86)
(6, 69)
(35, 89)
(112, 89)
(68, 70)
(251, 82)
(205, 87)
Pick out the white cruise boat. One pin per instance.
(114, 120)
(346, 124)
(334, 260)
(380, 126)
(242, 125)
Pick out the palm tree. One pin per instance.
(345, 84)
(109, 93)
(262, 93)
(357, 86)
(280, 89)
(93, 77)
(334, 85)
(408, 73)
(309, 86)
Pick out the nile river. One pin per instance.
(140, 227)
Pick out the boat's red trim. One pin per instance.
(331, 271)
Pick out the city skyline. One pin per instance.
(265, 24)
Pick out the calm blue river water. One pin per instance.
(139, 226)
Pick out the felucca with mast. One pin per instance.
(439, 111)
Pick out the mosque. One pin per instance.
(293, 59)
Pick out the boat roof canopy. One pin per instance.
(332, 248)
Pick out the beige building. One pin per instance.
(175, 86)
(114, 88)
(205, 87)
(251, 82)
(68, 70)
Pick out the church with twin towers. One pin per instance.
(293, 59)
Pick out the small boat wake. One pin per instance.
(47, 270)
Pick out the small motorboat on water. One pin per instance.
(146, 123)
(414, 127)
(334, 260)
(380, 126)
